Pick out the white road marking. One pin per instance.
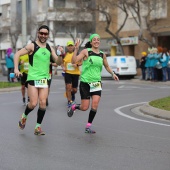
(117, 110)
(127, 87)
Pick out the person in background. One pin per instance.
(148, 65)
(142, 64)
(159, 67)
(24, 64)
(72, 73)
(168, 67)
(90, 80)
(9, 57)
(164, 62)
(152, 62)
(52, 63)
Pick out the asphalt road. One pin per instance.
(124, 140)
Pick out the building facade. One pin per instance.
(67, 20)
(156, 30)
(71, 19)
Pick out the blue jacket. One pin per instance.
(148, 61)
(156, 59)
(9, 60)
(164, 60)
(152, 60)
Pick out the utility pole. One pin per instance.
(24, 23)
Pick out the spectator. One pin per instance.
(164, 62)
(159, 66)
(148, 65)
(142, 64)
(9, 57)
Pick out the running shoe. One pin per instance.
(38, 131)
(71, 110)
(70, 104)
(22, 123)
(89, 130)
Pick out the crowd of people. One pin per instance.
(155, 64)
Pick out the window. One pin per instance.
(50, 3)
(65, 28)
(71, 4)
(131, 12)
(8, 12)
(59, 3)
(159, 9)
(40, 6)
(28, 7)
(19, 10)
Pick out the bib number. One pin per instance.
(95, 86)
(41, 83)
(70, 66)
(25, 66)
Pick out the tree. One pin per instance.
(107, 8)
(74, 23)
(147, 15)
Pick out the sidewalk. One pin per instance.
(145, 108)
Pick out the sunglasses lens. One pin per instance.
(43, 33)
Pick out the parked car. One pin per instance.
(121, 65)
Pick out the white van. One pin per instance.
(121, 65)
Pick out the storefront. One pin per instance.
(128, 44)
(164, 40)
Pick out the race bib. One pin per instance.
(41, 83)
(70, 66)
(95, 86)
(26, 66)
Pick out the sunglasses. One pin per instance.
(43, 33)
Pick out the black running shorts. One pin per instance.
(71, 79)
(23, 78)
(85, 91)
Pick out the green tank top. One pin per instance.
(39, 63)
(92, 67)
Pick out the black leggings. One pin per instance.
(10, 70)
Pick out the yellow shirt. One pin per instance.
(25, 63)
(69, 66)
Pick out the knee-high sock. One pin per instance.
(91, 115)
(40, 115)
(27, 110)
(77, 106)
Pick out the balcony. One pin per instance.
(65, 16)
(5, 23)
(41, 17)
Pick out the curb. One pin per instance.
(159, 113)
(10, 89)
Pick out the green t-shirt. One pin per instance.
(92, 67)
(39, 63)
